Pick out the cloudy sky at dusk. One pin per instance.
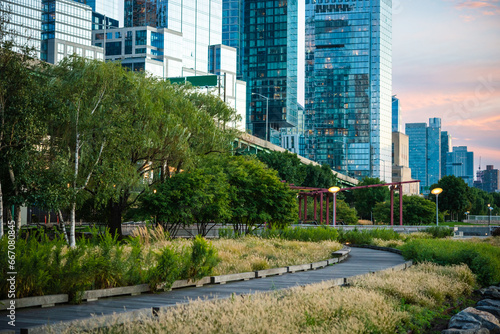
(446, 63)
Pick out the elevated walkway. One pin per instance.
(255, 145)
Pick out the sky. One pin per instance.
(446, 64)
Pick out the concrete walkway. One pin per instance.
(360, 261)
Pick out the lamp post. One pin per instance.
(334, 190)
(267, 112)
(437, 191)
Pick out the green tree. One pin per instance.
(454, 196)
(345, 213)
(416, 211)
(199, 196)
(288, 165)
(169, 128)
(479, 200)
(367, 198)
(22, 118)
(85, 95)
(257, 195)
(319, 177)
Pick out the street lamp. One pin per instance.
(437, 191)
(334, 190)
(267, 112)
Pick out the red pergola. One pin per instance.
(318, 193)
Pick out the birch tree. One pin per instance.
(86, 99)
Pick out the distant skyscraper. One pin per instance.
(265, 34)
(460, 163)
(67, 30)
(109, 8)
(488, 179)
(433, 151)
(417, 134)
(24, 22)
(445, 148)
(397, 122)
(348, 86)
(199, 21)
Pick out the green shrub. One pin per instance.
(439, 231)
(202, 261)
(355, 237)
(483, 259)
(166, 271)
(310, 234)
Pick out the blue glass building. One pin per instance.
(417, 138)
(445, 148)
(425, 152)
(460, 163)
(434, 151)
(348, 86)
(265, 34)
(397, 123)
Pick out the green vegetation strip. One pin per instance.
(482, 258)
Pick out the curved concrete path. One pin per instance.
(360, 261)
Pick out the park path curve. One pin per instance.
(360, 261)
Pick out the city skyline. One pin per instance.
(446, 64)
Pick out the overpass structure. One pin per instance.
(252, 144)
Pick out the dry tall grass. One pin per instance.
(425, 285)
(372, 305)
(248, 253)
(252, 253)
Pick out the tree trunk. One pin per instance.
(17, 214)
(62, 226)
(72, 239)
(116, 210)
(115, 217)
(17, 210)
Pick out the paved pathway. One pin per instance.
(360, 261)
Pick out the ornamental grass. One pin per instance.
(385, 302)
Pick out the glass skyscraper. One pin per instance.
(433, 151)
(445, 148)
(417, 139)
(460, 163)
(23, 22)
(348, 86)
(199, 21)
(397, 125)
(265, 34)
(425, 152)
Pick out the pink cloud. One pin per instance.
(492, 5)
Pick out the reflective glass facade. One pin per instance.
(265, 35)
(110, 8)
(417, 137)
(397, 125)
(433, 151)
(445, 148)
(24, 22)
(460, 163)
(199, 21)
(348, 86)
(67, 20)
